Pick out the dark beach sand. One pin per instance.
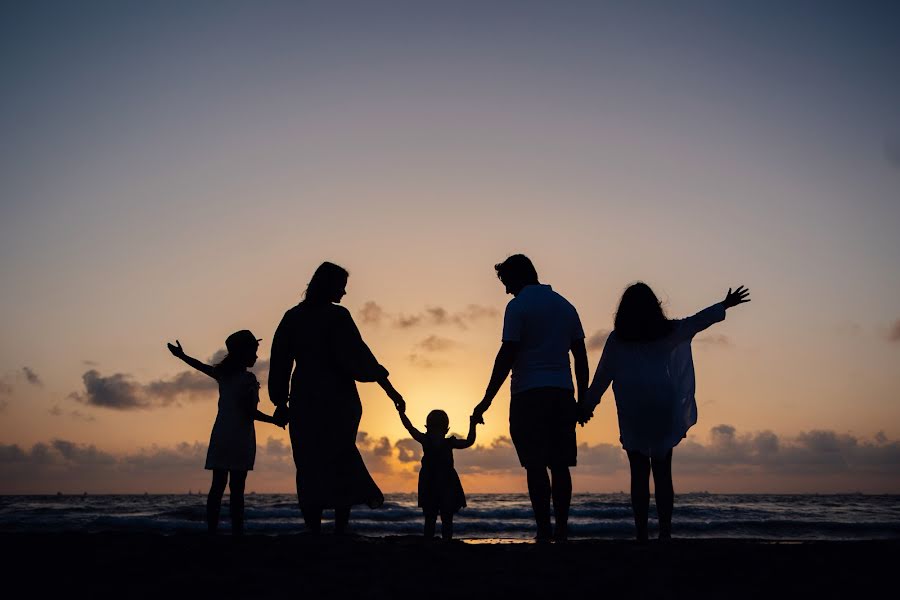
(296, 566)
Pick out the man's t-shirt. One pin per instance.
(545, 325)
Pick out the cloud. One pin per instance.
(31, 377)
(597, 340)
(842, 461)
(57, 411)
(710, 340)
(424, 362)
(408, 450)
(191, 384)
(434, 343)
(120, 392)
(116, 391)
(7, 380)
(373, 314)
(376, 452)
(894, 333)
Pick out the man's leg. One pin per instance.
(562, 498)
(539, 492)
(640, 492)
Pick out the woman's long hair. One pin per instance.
(640, 317)
(328, 279)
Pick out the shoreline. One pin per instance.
(262, 566)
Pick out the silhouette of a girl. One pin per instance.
(232, 444)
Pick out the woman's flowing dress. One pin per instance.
(328, 356)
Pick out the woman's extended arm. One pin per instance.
(393, 394)
(603, 376)
(178, 352)
(686, 329)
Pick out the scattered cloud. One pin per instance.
(894, 333)
(90, 363)
(710, 340)
(814, 457)
(31, 377)
(8, 379)
(57, 411)
(376, 452)
(115, 391)
(424, 362)
(373, 314)
(435, 343)
(408, 450)
(119, 391)
(597, 340)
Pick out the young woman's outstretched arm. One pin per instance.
(178, 352)
(686, 329)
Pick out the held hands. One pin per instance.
(738, 296)
(584, 414)
(281, 416)
(478, 413)
(399, 402)
(177, 350)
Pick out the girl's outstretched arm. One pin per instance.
(470, 438)
(178, 351)
(415, 433)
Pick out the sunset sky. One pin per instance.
(178, 170)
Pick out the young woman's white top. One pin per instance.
(654, 384)
(232, 443)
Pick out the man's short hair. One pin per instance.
(516, 271)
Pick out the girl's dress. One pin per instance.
(654, 384)
(232, 444)
(439, 487)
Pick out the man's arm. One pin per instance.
(281, 364)
(579, 354)
(506, 356)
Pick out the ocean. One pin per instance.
(487, 517)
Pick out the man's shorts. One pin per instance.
(542, 427)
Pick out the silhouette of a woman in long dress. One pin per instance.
(320, 343)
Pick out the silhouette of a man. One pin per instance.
(540, 328)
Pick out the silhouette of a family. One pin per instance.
(318, 355)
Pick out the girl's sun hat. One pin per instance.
(243, 339)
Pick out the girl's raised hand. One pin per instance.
(738, 296)
(176, 350)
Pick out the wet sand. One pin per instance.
(126, 565)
